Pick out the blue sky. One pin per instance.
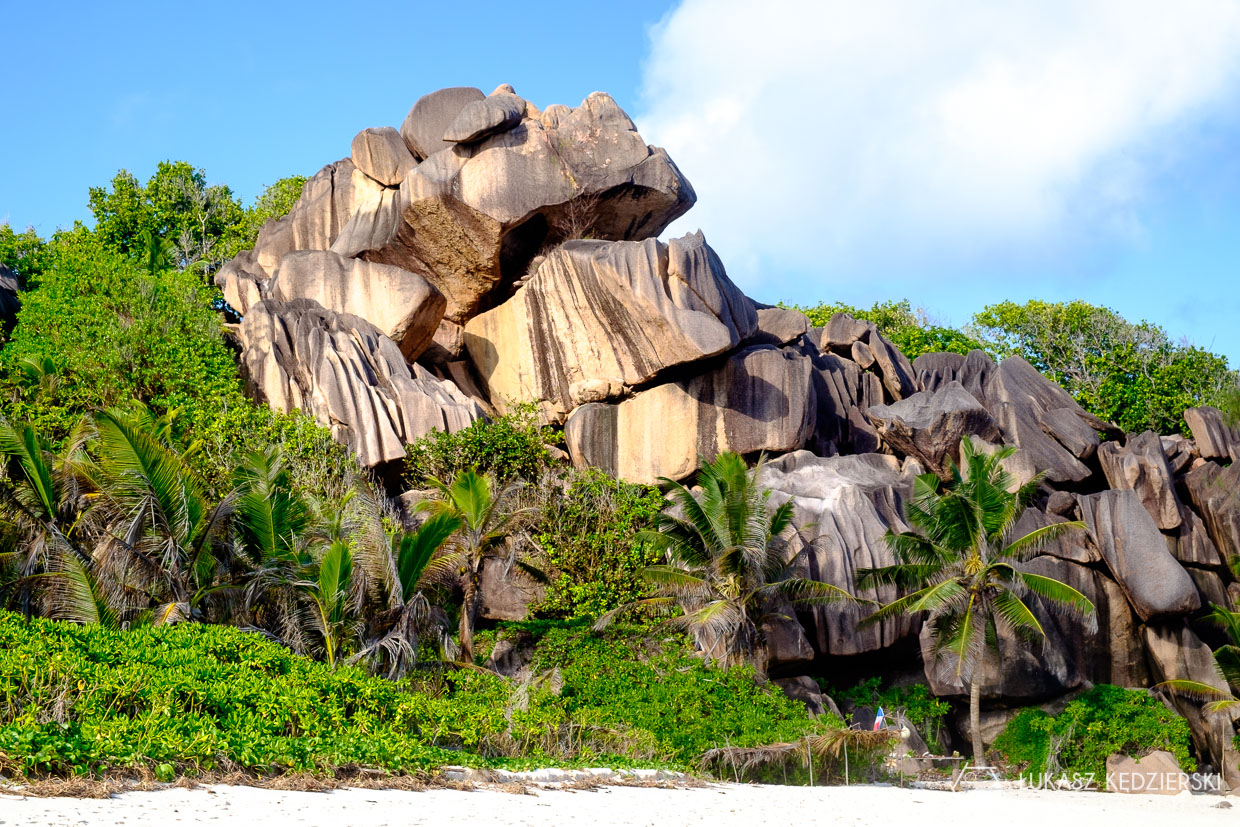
(956, 153)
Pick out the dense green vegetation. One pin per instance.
(192, 698)
(1134, 375)
(914, 702)
(1104, 720)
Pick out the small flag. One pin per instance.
(878, 719)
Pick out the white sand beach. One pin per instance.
(719, 805)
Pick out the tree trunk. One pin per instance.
(975, 721)
(468, 608)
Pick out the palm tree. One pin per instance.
(164, 542)
(487, 524)
(728, 568)
(42, 498)
(961, 563)
(1226, 659)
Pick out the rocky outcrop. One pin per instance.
(600, 317)
(843, 334)
(1157, 773)
(432, 115)
(346, 374)
(757, 400)
(382, 154)
(1141, 466)
(929, 425)
(1137, 555)
(1215, 493)
(466, 219)
(402, 305)
(1215, 440)
(843, 508)
(499, 112)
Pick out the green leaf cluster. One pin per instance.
(590, 535)
(508, 447)
(1132, 374)
(1104, 720)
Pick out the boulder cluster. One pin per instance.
(489, 253)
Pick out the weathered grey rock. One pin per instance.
(757, 400)
(842, 393)
(382, 154)
(929, 425)
(785, 650)
(341, 370)
(505, 592)
(1179, 452)
(447, 344)
(1157, 773)
(896, 370)
(242, 281)
(1215, 492)
(1190, 542)
(862, 355)
(1141, 466)
(431, 116)
(1215, 440)
(1113, 653)
(841, 331)
(1070, 430)
(600, 316)
(1137, 555)
(1209, 585)
(804, 689)
(481, 119)
(326, 205)
(779, 326)
(934, 370)
(1063, 504)
(403, 305)
(466, 219)
(1176, 653)
(843, 508)
(1018, 397)
(1074, 546)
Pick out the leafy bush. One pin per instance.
(911, 331)
(1105, 720)
(915, 702)
(513, 446)
(84, 699)
(588, 530)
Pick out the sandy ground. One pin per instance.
(717, 805)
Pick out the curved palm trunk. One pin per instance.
(469, 608)
(975, 721)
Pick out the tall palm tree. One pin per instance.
(487, 525)
(728, 568)
(961, 563)
(164, 542)
(1227, 661)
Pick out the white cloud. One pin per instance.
(837, 137)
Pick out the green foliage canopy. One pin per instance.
(1131, 374)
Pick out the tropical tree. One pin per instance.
(728, 568)
(962, 565)
(42, 499)
(1226, 659)
(164, 544)
(487, 525)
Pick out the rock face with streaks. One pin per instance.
(489, 253)
(344, 372)
(599, 317)
(757, 400)
(403, 305)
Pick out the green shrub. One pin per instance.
(910, 330)
(513, 446)
(1104, 720)
(588, 531)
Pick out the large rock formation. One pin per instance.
(600, 317)
(757, 400)
(346, 374)
(440, 271)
